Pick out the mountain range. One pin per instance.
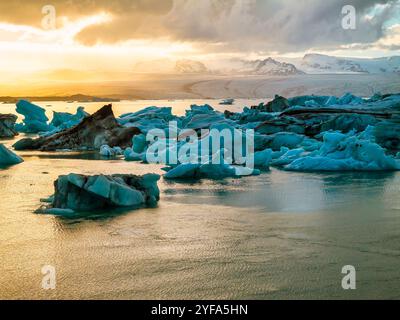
(309, 64)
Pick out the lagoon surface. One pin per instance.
(277, 235)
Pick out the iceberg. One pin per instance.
(107, 151)
(35, 119)
(263, 158)
(288, 157)
(286, 139)
(346, 152)
(194, 171)
(227, 102)
(65, 120)
(7, 157)
(80, 193)
(148, 118)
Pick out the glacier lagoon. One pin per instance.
(278, 235)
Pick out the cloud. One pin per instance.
(277, 25)
(221, 25)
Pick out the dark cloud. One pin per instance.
(236, 25)
(278, 25)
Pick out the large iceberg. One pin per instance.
(79, 193)
(194, 171)
(35, 119)
(65, 120)
(345, 152)
(148, 118)
(7, 157)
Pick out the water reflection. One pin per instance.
(282, 191)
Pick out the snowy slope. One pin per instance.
(318, 63)
(190, 66)
(267, 66)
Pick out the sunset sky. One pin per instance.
(104, 37)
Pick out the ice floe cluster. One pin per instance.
(305, 133)
(7, 157)
(36, 121)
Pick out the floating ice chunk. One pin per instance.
(35, 119)
(99, 185)
(56, 211)
(206, 120)
(263, 158)
(107, 151)
(148, 118)
(332, 101)
(130, 155)
(139, 143)
(7, 157)
(184, 171)
(288, 157)
(227, 102)
(348, 122)
(47, 200)
(33, 126)
(210, 171)
(31, 111)
(286, 139)
(346, 152)
(311, 104)
(125, 196)
(196, 109)
(309, 144)
(348, 98)
(86, 193)
(217, 171)
(76, 179)
(280, 153)
(246, 171)
(65, 120)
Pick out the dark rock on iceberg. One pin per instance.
(7, 122)
(279, 104)
(96, 130)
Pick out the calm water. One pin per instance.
(278, 235)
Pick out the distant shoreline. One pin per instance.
(72, 98)
(163, 87)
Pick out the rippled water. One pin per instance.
(278, 235)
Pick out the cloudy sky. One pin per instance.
(112, 35)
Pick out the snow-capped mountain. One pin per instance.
(190, 66)
(267, 66)
(319, 63)
(309, 64)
